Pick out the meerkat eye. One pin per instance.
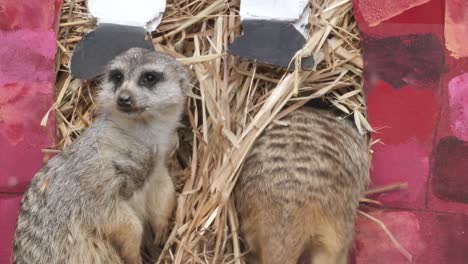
(149, 79)
(116, 76)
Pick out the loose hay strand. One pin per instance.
(395, 242)
(231, 102)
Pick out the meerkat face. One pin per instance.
(142, 82)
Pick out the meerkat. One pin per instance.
(298, 191)
(90, 203)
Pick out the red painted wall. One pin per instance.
(417, 95)
(27, 52)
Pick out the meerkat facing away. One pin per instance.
(299, 189)
(89, 204)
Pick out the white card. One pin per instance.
(294, 11)
(284, 10)
(139, 13)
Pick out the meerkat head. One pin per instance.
(143, 83)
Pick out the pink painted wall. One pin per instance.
(27, 52)
(416, 81)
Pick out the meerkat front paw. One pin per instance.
(161, 232)
(160, 205)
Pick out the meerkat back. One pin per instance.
(299, 189)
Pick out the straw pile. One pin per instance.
(230, 104)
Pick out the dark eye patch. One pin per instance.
(116, 76)
(150, 78)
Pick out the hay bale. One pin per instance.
(231, 102)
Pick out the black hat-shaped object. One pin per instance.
(270, 42)
(100, 46)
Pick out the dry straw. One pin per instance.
(230, 104)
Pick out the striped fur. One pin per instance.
(299, 189)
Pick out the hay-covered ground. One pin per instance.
(230, 103)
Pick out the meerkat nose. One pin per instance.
(124, 100)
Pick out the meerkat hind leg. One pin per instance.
(332, 249)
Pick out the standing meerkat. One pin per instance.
(90, 203)
(298, 192)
